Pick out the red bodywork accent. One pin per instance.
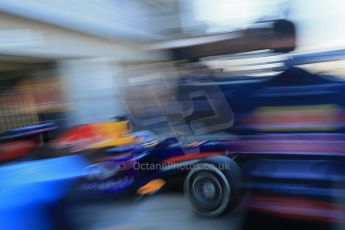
(192, 157)
(81, 135)
(16, 149)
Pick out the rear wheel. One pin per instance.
(214, 186)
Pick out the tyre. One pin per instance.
(214, 186)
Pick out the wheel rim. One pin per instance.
(206, 191)
(208, 202)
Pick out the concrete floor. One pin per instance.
(162, 211)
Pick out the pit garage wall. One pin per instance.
(90, 89)
(87, 64)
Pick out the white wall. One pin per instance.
(121, 18)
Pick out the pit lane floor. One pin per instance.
(161, 211)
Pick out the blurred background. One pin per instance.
(64, 61)
(85, 61)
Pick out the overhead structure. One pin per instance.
(278, 35)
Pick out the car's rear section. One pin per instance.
(289, 146)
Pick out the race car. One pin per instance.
(286, 151)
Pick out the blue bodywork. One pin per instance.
(29, 189)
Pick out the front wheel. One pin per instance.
(213, 187)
